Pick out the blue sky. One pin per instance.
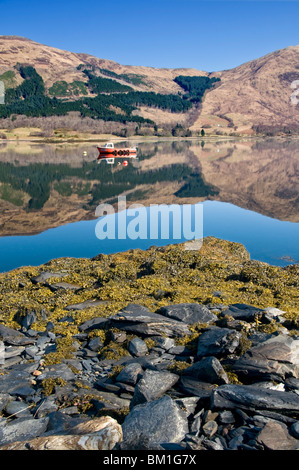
(203, 34)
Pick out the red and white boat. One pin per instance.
(109, 149)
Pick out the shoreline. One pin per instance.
(142, 138)
(205, 340)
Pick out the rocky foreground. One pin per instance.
(204, 373)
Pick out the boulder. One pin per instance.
(152, 385)
(275, 436)
(159, 421)
(218, 342)
(274, 359)
(208, 369)
(137, 347)
(243, 312)
(130, 374)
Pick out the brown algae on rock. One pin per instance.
(179, 275)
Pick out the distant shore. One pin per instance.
(30, 134)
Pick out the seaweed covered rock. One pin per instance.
(146, 341)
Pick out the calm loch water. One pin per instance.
(247, 191)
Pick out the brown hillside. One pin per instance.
(257, 92)
(54, 64)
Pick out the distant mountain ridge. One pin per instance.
(255, 96)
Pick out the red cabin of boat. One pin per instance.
(109, 149)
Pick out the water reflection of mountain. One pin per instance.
(44, 186)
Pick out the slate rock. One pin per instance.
(57, 370)
(189, 313)
(253, 398)
(218, 342)
(208, 369)
(137, 347)
(14, 337)
(45, 275)
(194, 387)
(160, 421)
(275, 436)
(164, 342)
(243, 312)
(95, 344)
(139, 320)
(12, 351)
(18, 408)
(275, 359)
(63, 286)
(130, 374)
(26, 429)
(86, 304)
(29, 319)
(153, 385)
(107, 385)
(19, 377)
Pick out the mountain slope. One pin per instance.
(256, 96)
(54, 64)
(258, 92)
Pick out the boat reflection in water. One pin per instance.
(124, 161)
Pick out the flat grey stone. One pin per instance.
(18, 408)
(242, 312)
(153, 385)
(253, 398)
(189, 313)
(159, 421)
(138, 319)
(164, 342)
(12, 351)
(194, 387)
(57, 370)
(95, 344)
(63, 286)
(26, 429)
(45, 275)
